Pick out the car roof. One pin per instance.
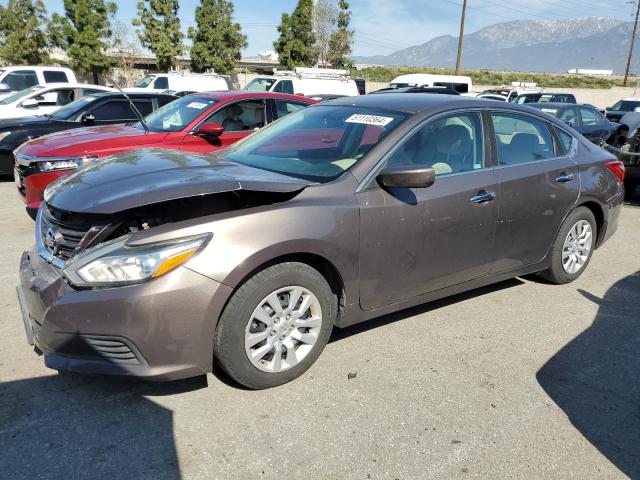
(409, 102)
(73, 85)
(224, 95)
(630, 100)
(116, 93)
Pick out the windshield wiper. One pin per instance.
(135, 110)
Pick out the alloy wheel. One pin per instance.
(577, 247)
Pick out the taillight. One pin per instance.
(617, 167)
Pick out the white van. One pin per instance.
(15, 79)
(460, 83)
(179, 81)
(307, 82)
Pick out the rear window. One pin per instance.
(52, 76)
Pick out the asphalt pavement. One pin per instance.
(520, 380)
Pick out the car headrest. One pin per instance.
(234, 111)
(453, 140)
(258, 115)
(525, 142)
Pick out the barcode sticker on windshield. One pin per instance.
(197, 105)
(370, 120)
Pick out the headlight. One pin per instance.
(115, 264)
(4, 135)
(67, 164)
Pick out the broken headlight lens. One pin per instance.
(116, 264)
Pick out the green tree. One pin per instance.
(84, 32)
(342, 38)
(296, 44)
(23, 32)
(217, 40)
(161, 32)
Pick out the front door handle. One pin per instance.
(565, 178)
(483, 197)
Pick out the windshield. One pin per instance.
(178, 114)
(144, 83)
(318, 143)
(260, 84)
(69, 111)
(20, 95)
(625, 106)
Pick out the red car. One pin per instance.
(202, 122)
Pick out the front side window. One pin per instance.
(161, 83)
(451, 144)
(21, 79)
(521, 139)
(52, 98)
(318, 143)
(570, 116)
(146, 81)
(625, 106)
(240, 116)
(260, 84)
(54, 76)
(73, 109)
(284, 86)
(178, 114)
(114, 110)
(590, 118)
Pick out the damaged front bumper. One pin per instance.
(160, 330)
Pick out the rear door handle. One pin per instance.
(483, 197)
(565, 178)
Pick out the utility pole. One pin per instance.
(464, 12)
(632, 43)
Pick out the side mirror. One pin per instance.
(30, 103)
(407, 176)
(4, 88)
(211, 129)
(88, 117)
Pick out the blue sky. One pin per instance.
(384, 26)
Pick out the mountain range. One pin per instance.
(526, 45)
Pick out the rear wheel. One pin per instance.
(275, 326)
(572, 248)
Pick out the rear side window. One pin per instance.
(284, 86)
(566, 140)
(21, 79)
(285, 107)
(161, 83)
(52, 76)
(448, 145)
(114, 110)
(521, 139)
(590, 118)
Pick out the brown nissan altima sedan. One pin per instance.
(158, 263)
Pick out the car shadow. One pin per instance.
(75, 426)
(595, 378)
(342, 333)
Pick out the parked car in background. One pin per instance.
(625, 144)
(434, 90)
(180, 93)
(41, 100)
(178, 81)
(306, 81)
(95, 109)
(325, 98)
(459, 83)
(619, 109)
(249, 257)
(196, 123)
(17, 78)
(545, 98)
(511, 92)
(585, 119)
(493, 96)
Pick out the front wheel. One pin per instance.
(275, 326)
(572, 248)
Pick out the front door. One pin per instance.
(239, 120)
(414, 241)
(539, 185)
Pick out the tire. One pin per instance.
(249, 315)
(557, 273)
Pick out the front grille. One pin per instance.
(113, 350)
(60, 238)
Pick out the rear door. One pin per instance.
(414, 241)
(539, 185)
(592, 125)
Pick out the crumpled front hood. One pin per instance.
(143, 177)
